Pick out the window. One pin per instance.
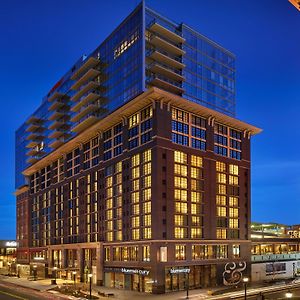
(180, 252)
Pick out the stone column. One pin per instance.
(80, 260)
(64, 259)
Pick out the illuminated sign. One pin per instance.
(11, 244)
(178, 271)
(135, 271)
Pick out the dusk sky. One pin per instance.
(41, 40)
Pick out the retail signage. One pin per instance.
(135, 271)
(178, 271)
(11, 244)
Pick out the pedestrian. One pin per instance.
(260, 296)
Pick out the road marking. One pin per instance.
(12, 295)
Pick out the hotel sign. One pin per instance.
(11, 244)
(179, 271)
(135, 271)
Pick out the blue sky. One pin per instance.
(40, 41)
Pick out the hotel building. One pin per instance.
(134, 167)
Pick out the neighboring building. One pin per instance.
(7, 253)
(275, 251)
(136, 169)
(296, 3)
(268, 230)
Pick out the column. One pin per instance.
(99, 264)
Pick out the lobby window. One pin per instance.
(180, 252)
(188, 129)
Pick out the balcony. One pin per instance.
(58, 104)
(168, 46)
(91, 73)
(33, 119)
(165, 83)
(34, 136)
(89, 97)
(33, 143)
(55, 95)
(57, 114)
(56, 143)
(57, 133)
(164, 57)
(166, 71)
(92, 85)
(170, 35)
(84, 111)
(31, 160)
(57, 124)
(87, 122)
(34, 126)
(88, 64)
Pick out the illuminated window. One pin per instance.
(221, 211)
(146, 253)
(196, 161)
(196, 209)
(196, 233)
(147, 220)
(180, 157)
(236, 251)
(196, 197)
(233, 180)
(221, 189)
(146, 194)
(135, 221)
(220, 166)
(180, 232)
(180, 170)
(180, 182)
(233, 223)
(147, 232)
(221, 233)
(136, 209)
(135, 160)
(135, 234)
(233, 201)
(135, 172)
(147, 181)
(221, 200)
(147, 156)
(180, 251)
(180, 195)
(233, 212)
(136, 185)
(135, 197)
(147, 207)
(147, 168)
(234, 169)
(221, 178)
(181, 207)
(179, 220)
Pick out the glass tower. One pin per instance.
(146, 50)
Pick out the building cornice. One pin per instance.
(129, 108)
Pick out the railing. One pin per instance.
(150, 51)
(179, 72)
(166, 79)
(275, 257)
(167, 27)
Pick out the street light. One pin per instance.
(90, 277)
(34, 272)
(245, 281)
(74, 278)
(55, 270)
(288, 294)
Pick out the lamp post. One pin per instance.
(187, 282)
(90, 278)
(55, 270)
(74, 278)
(288, 294)
(245, 281)
(18, 270)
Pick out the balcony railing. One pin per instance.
(87, 87)
(163, 31)
(165, 83)
(84, 111)
(84, 123)
(166, 70)
(88, 64)
(165, 57)
(88, 97)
